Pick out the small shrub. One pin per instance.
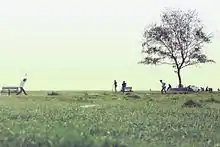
(191, 104)
(105, 93)
(53, 93)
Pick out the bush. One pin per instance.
(53, 93)
(191, 103)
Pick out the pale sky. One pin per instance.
(85, 45)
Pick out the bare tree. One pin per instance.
(177, 41)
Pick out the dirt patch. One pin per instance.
(191, 104)
(133, 95)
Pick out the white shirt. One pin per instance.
(23, 82)
(163, 84)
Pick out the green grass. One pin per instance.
(142, 120)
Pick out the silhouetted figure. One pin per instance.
(21, 86)
(218, 89)
(207, 88)
(115, 85)
(169, 86)
(123, 85)
(163, 90)
(202, 89)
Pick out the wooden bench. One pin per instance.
(128, 89)
(9, 90)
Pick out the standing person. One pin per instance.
(115, 85)
(21, 87)
(207, 88)
(163, 90)
(123, 86)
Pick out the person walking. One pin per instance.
(21, 87)
(163, 90)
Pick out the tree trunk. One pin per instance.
(179, 78)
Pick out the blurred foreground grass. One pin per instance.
(137, 120)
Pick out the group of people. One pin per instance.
(164, 88)
(123, 86)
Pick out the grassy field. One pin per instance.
(137, 120)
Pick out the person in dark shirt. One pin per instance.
(169, 86)
(123, 86)
(207, 88)
(115, 85)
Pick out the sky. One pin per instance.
(85, 45)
